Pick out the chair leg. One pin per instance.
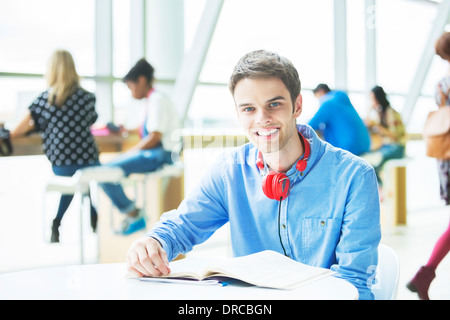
(81, 229)
(44, 216)
(46, 235)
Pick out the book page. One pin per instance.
(193, 267)
(265, 269)
(271, 269)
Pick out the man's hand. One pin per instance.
(146, 257)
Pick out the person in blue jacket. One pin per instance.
(338, 121)
(286, 191)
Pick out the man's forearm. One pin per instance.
(149, 142)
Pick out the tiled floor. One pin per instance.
(22, 244)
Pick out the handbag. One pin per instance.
(436, 133)
(6, 148)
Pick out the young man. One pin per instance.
(339, 122)
(154, 148)
(328, 216)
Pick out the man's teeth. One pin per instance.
(267, 132)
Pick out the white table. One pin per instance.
(110, 281)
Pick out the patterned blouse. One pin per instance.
(65, 131)
(444, 164)
(394, 124)
(445, 85)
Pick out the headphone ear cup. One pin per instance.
(276, 185)
(267, 184)
(280, 186)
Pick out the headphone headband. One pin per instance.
(301, 164)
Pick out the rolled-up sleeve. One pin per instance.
(196, 219)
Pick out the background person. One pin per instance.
(155, 146)
(421, 281)
(63, 115)
(339, 122)
(386, 127)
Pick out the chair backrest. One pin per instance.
(99, 174)
(387, 274)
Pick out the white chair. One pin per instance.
(387, 274)
(79, 184)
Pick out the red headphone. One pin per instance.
(275, 185)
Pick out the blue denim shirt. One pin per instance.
(330, 219)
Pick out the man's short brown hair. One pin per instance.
(266, 64)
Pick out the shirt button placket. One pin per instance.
(283, 227)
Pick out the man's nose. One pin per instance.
(263, 116)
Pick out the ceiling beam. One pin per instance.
(442, 18)
(193, 61)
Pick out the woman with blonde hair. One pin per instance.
(63, 115)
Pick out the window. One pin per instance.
(303, 31)
(299, 30)
(403, 28)
(29, 32)
(121, 37)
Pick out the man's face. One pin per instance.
(138, 88)
(319, 94)
(266, 113)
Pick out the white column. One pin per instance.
(165, 36)
(371, 48)
(340, 44)
(138, 41)
(103, 59)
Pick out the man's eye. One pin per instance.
(274, 104)
(248, 109)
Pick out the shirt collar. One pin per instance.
(314, 143)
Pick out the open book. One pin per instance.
(265, 269)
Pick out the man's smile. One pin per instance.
(267, 133)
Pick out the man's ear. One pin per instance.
(298, 106)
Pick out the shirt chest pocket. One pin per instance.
(319, 238)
